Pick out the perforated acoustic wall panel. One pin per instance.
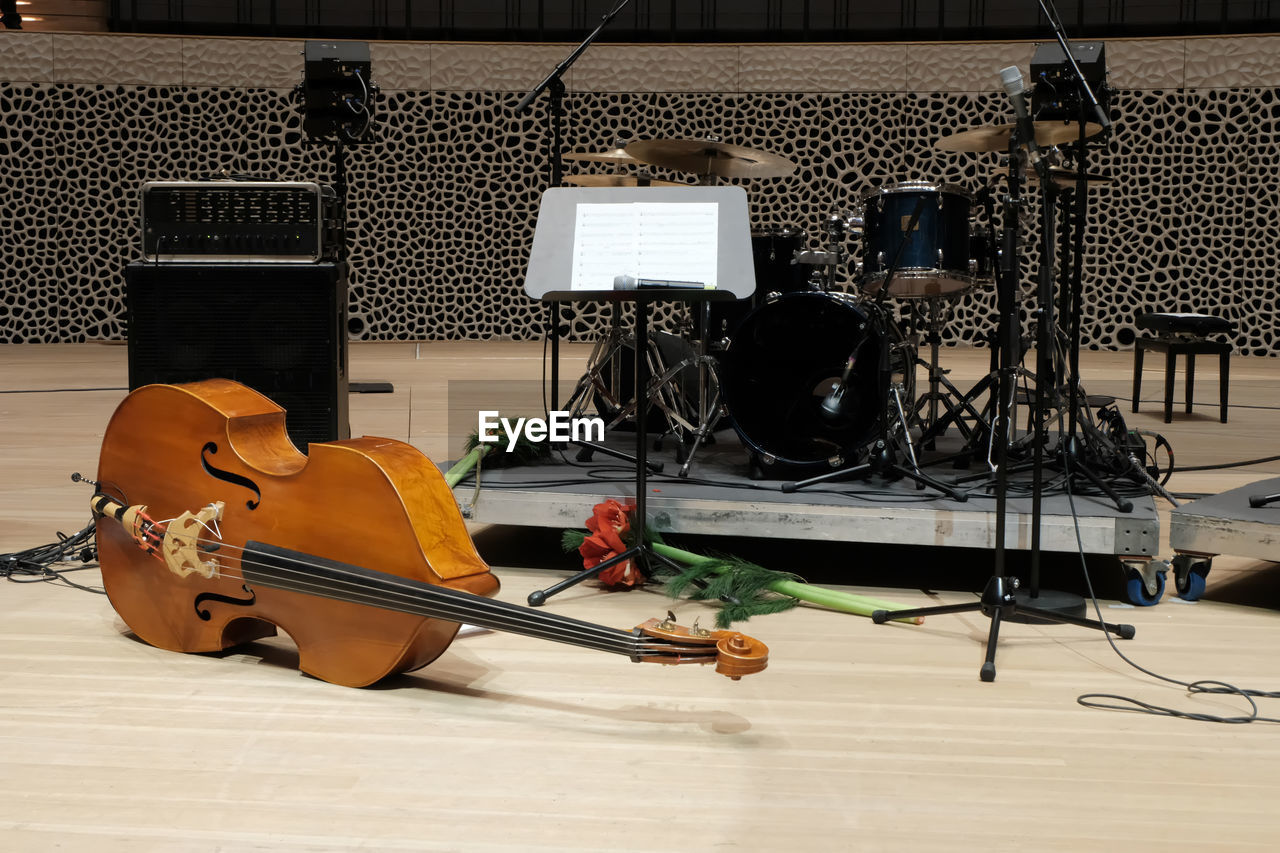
(443, 207)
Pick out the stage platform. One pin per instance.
(719, 498)
(1222, 524)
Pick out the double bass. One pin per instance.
(214, 530)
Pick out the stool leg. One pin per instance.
(1137, 373)
(1191, 378)
(1224, 369)
(1170, 364)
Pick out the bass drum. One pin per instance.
(786, 359)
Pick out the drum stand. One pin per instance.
(882, 461)
(667, 395)
(833, 257)
(998, 600)
(606, 356)
(941, 391)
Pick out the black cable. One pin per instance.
(1126, 703)
(1222, 465)
(36, 565)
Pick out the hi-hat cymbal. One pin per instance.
(613, 155)
(619, 181)
(996, 137)
(708, 157)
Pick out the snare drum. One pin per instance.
(935, 259)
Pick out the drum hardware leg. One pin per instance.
(710, 409)
(896, 392)
(693, 425)
(935, 397)
(593, 384)
(882, 462)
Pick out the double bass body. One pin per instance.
(364, 501)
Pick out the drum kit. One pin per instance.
(815, 371)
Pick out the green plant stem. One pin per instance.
(847, 602)
(463, 466)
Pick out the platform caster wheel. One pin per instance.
(1144, 585)
(1189, 576)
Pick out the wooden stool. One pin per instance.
(1185, 334)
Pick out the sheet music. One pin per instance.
(673, 242)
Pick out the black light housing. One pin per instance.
(1057, 92)
(337, 92)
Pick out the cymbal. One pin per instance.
(708, 157)
(1067, 178)
(613, 155)
(619, 181)
(996, 137)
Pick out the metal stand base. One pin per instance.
(999, 602)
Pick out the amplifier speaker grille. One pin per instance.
(277, 328)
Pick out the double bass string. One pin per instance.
(423, 599)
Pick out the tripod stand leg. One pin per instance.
(988, 671)
(704, 429)
(1124, 632)
(539, 596)
(880, 617)
(639, 553)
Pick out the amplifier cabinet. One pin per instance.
(278, 328)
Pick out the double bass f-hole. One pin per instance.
(205, 615)
(211, 448)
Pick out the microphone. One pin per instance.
(628, 282)
(833, 404)
(1012, 79)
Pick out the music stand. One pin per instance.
(640, 245)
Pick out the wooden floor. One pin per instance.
(857, 737)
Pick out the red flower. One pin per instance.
(608, 524)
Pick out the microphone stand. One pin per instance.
(1051, 14)
(553, 85)
(1073, 443)
(998, 600)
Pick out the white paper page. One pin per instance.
(678, 242)
(604, 245)
(652, 241)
